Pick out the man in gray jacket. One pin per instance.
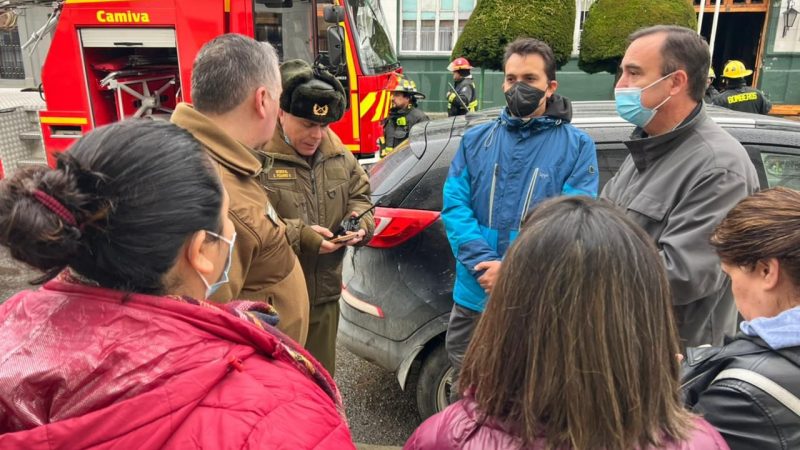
(683, 174)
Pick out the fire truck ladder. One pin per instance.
(121, 82)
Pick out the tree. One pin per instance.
(605, 32)
(495, 23)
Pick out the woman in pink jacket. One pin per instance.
(118, 349)
(577, 346)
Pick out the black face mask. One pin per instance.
(523, 99)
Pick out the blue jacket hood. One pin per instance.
(781, 331)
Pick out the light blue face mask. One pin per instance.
(212, 288)
(629, 104)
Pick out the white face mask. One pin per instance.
(212, 288)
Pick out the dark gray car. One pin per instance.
(398, 290)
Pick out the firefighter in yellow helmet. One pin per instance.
(711, 91)
(461, 98)
(403, 115)
(737, 94)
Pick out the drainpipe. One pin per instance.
(714, 27)
(700, 17)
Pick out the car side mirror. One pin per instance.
(333, 14)
(335, 46)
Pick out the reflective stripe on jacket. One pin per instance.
(397, 126)
(745, 99)
(463, 100)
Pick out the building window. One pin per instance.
(432, 26)
(11, 56)
(582, 12)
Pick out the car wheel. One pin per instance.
(434, 383)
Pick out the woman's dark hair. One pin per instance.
(577, 345)
(137, 189)
(762, 226)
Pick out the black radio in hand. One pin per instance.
(350, 223)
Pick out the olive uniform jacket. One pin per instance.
(321, 190)
(263, 267)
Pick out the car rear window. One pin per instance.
(387, 174)
(782, 169)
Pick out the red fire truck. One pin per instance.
(115, 59)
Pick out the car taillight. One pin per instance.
(394, 226)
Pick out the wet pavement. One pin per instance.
(378, 411)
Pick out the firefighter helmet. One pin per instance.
(735, 69)
(459, 64)
(407, 86)
(711, 73)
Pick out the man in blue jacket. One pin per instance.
(501, 171)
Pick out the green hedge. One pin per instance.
(606, 30)
(495, 23)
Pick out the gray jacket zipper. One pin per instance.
(491, 194)
(527, 204)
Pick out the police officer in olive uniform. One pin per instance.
(403, 115)
(314, 184)
(737, 95)
(461, 97)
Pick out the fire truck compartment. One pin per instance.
(128, 37)
(130, 72)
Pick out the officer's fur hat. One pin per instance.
(313, 94)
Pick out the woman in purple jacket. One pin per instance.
(577, 347)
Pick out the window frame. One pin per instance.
(758, 151)
(581, 13)
(401, 51)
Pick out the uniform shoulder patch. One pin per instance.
(288, 173)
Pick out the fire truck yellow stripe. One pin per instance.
(367, 103)
(227, 6)
(354, 106)
(353, 147)
(379, 110)
(64, 120)
(351, 74)
(351, 68)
